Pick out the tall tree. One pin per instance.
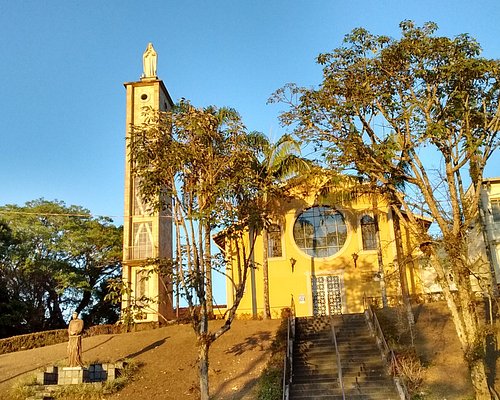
(57, 258)
(421, 111)
(204, 157)
(280, 161)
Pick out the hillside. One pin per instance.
(168, 356)
(169, 369)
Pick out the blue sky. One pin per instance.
(63, 65)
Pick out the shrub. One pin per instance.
(270, 385)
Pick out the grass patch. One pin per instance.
(84, 391)
(270, 385)
(23, 388)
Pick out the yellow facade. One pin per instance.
(339, 282)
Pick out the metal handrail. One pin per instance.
(339, 364)
(288, 360)
(400, 383)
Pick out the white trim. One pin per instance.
(346, 214)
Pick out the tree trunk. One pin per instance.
(265, 274)
(402, 272)
(479, 380)
(203, 347)
(380, 258)
(56, 317)
(208, 271)
(252, 273)
(464, 315)
(87, 296)
(204, 341)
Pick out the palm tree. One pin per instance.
(280, 162)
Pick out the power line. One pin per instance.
(60, 214)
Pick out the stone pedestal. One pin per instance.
(72, 375)
(49, 377)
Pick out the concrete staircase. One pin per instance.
(315, 373)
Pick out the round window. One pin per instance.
(320, 231)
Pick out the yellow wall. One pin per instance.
(356, 281)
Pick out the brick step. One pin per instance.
(340, 345)
(313, 327)
(362, 334)
(312, 341)
(313, 336)
(375, 392)
(316, 380)
(350, 397)
(368, 361)
(315, 364)
(315, 350)
(344, 354)
(315, 361)
(349, 381)
(307, 375)
(355, 337)
(356, 371)
(312, 358)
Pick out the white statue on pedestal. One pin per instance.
(149, 62)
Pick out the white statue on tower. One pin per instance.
(149, 62)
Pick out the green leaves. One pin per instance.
(55, 257)
(393, 109)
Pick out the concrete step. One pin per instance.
(315, 376)
(315, 379)
(345, 352)
(379, 394)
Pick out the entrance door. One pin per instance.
(326, 294)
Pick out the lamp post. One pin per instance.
(355, 259)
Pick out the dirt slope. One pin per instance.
(168, 356)
(446, 375)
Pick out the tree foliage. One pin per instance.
(279, 162)
(419, 117)
(199, 166)
(53, 259)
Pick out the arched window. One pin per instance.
(495, 210)
(320, 231)
(368, 233)
(274, 248)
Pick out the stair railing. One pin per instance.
(387, 352)
(288, 360)
(339, 364)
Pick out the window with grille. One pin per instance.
(274, 248)
(320, 231)
(495, 210)
(138, 205)
(141, 291)
(368, 233)
(142, 240)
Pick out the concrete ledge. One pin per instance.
(94, 373)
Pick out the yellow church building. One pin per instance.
(326, 256)
(325, 253)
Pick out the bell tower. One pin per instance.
(145, 234)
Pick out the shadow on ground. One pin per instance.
(250, 343)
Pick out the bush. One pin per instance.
(411, 370)
(270, 385)
(47, 338)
